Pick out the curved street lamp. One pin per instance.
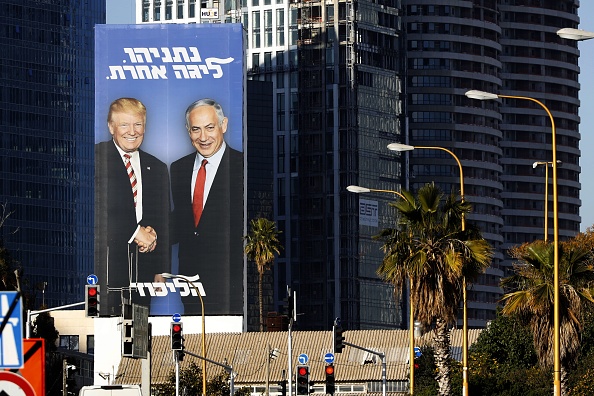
(575, 34)
(405, 147)
(480, 95)
(411, 320)
(167, 275)
(359, 190)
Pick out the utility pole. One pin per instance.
(64, 377)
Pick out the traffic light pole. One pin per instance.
(381, 355)
(228, 368)
(31, 313)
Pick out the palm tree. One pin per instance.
(531, 296)
(430, 249)
(261, 245)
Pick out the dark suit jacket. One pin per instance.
(115, 223)
(214, 249)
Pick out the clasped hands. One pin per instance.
(146, 239)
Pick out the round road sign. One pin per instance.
(14, 385)
(303, 358)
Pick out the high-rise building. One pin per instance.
(334, 67)
(46, 149)
(508, 48)
(351, 76)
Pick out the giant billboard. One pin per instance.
(169, 178)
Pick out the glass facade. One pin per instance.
(46, 142)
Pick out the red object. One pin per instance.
(198, 200)
(329, 370)
(302, 371)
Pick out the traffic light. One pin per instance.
(289, 305)
(283, 387)
(303, 380)
(329, 379)
(92, 301)
(338, 339)
(177, 336)
(128, 338)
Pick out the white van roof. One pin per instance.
(110, 390)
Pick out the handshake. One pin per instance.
(146, 239)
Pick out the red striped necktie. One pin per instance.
(132, 176)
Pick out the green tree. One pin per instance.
(261, 245)
(530, 295)
(43, 327)
(503, 361)
(430, 249)
(190, 383)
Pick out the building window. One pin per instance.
(293, 27)
(256, 29)
(180, 9)
(91, 344)
(280, 27)
(268, 28)
(168, 9)
(157, 11)
(192, 8)
(69, 342)
(145, 13)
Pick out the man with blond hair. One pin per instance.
(131, 209)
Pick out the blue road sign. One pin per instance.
(418, 352)
(11, 337)
(92, 279)
(329, 358)
(176, 317)
(303, 358)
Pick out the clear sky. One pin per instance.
(122, 11)
(586, 12)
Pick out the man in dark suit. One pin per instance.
(131, 209)
(207, 190)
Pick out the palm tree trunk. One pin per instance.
(442, 358)
(564, 380)
(261, 299)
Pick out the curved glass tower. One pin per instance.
(509, 48)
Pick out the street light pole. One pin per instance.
(480, 95)
(546, 199)
(167, 275)
(411, 320)
(404, 147)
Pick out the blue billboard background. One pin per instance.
(167, 67)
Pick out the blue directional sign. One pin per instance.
(11, 337)
(303, 358)
(176, 317)
(92, 279)
(418, 352)
(329, 358)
